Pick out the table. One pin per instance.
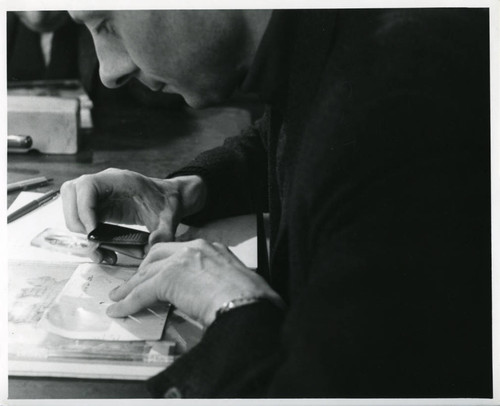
(151, 141)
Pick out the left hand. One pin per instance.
(196, 276)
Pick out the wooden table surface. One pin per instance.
(152, 141)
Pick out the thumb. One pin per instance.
(164, 232)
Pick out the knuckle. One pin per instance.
(142, 272)
(67, 187)
(84, 182)
(156, 247)
(200, 243)
(197, 256)
(182, 258)
(110, 171)
(84, 178)
(178, 258)
(162, 291)
(188, 250)
(136, 295)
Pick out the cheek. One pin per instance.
(148, 53)
(108, 49)
(143, 34)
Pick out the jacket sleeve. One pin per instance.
(235, 175)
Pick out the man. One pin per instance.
(373, 161)
(42, 45)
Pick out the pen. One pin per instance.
(26, 184)
(32, 205)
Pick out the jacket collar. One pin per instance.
(290, 37)
(268, 74)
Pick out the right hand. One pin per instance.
(126, 197)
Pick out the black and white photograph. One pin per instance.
(251, 204)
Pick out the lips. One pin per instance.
(167, 88)
(154, 85)
(163, 88)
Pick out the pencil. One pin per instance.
(32, 205)
(28, 183)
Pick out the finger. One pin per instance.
(161, 251)
(142, 296)
(165, 231)
(143, 274)
(167, 249)
(130, 250)
(159, 258)
(190, 234)
(225, 250)
(87, 195)
(168, 221)
(101, 255)
(70, 210)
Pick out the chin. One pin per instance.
(207, 98)
(201, 102)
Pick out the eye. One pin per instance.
(104, 27)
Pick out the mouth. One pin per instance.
(165, 88)
(153, 85)
(158, 89)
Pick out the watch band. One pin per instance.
(242, 301)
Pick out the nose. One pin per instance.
(115, 66)
(116, 73)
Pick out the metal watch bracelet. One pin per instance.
(242, 301)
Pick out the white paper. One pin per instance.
(33, 351)
(21, 231)
(79, 311)
(33, 286)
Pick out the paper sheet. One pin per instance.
(79, 311)
(33, 287)
(21, 231)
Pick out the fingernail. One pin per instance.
(89, 227)
(112, 292)
(109, 258)
(97, 257)
(111, 310)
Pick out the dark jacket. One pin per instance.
(373, 161)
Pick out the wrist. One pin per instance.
(243, 300)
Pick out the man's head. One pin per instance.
(202, 55)
(43, 21)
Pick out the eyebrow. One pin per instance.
(93, 15)
(77, 20)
